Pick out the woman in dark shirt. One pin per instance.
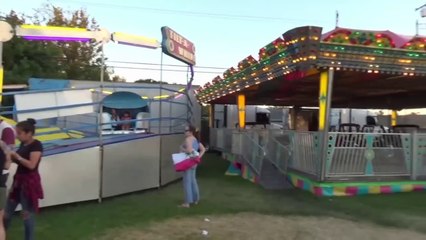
(26, 188)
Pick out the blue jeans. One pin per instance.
(190, 186)
(27, 211)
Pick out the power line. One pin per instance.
(64, 61)
(166, 70)
(168, 65)
(191, 13)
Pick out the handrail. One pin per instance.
(87, 126)
(45, 91)
(281, 145)
(51, 108)
(88, 88)
(255, 147)
(256, 144)
(278, 159)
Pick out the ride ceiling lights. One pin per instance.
(302, 50)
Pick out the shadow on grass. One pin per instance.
(221, 195)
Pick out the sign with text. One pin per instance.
(178, 47)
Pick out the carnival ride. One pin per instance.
(343, 68)
(81, 162)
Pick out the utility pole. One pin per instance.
(337, 19)
(422, 14)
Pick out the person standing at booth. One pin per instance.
(26, 188)
(7, 142)
(7, 133)
(5, 162)
(190, 185)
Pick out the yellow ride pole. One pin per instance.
(241, 102)
(394, 118)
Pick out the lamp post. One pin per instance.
(6, 33)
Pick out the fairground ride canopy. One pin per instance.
(372, 69)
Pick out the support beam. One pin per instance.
(225, 116)
(293, 117)
(325, 96)
(211, 116)
(394, 118)
(241, 102)
(1, 84)
(326, 81)
(1, 73)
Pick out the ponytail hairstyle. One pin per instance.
(192, 129)
(27, 126)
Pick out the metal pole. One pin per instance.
(1, 74)
(187, 97)
(100, 126)
(414, 146)
(337, 19)
(160, 162)
(161, 94)
(150, 116)
(417, 27)
(170, 116)
(324, 144)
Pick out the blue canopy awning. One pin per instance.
(124, 100)
(48, 84)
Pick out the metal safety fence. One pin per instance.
(347, 156)
(368, 154)
(252, 152)
(419, 155)
(306, 152)
(221, 139)
(279, 151)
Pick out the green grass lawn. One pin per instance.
(220, 194)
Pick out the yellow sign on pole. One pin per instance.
(323, 99)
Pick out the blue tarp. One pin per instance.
(124, 100)
(48, 84)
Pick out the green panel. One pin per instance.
(291, 136)
(330, 151)
(369, 155)
(407, 146)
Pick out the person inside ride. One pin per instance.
(126, 125)
(26, 188)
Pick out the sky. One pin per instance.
(223, 31)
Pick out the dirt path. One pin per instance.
(249, 226)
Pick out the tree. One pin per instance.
(117, 78)
(82, 61)
(149, 80)
(24, 59)
(64, 60)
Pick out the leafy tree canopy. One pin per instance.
(62, 60)
(149, 80)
